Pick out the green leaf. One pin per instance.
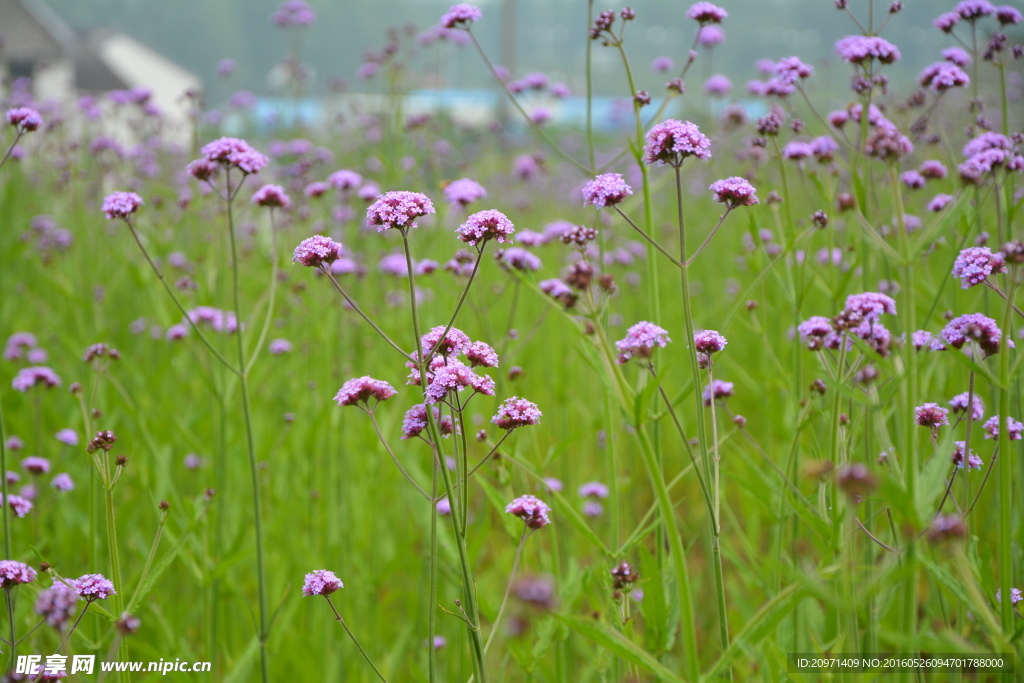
(613, 641)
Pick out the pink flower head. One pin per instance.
(641, 340)
(398, 210)
(13, 573)
(24, 119)
(464, 192)
(461, 14)
(734, 192)
(708, 341)
(321, 582)
(485, 225)
(1016, 596)
(718, 85)
(959, 405)
(121, 204)
(234, 152)
(710, 36)
(316, 251)
(706, 13)
(344, 180)
(931, 415)
(816, 332)
(717, 390)
(35, 376)
(203, 169)
(532, 510)
(671, 141)
(946, 21)
(932, 169)
(593, 489)
(36, 465)
(293, 13)
(280, 346)
(870, 305)
(272, 196)
(606, 189)
(517, 258)
(859, 49)
(362, 389)
(456, 376)
(68, 437)
(481, 354)
(21, 506)
(316, 189)
(662, 64)
(516, 412)
(939, 202)
(415, 422)
(974, 9)
(974, 327)
(973, 461)
(941, 76)
(455, 342)
(1008, 15)
(63, 482)
(975, 264)
(93, 587)
(912, 179)
(1014, 428)
(824, 148)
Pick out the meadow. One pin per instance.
(731, 381)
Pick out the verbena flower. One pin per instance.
(974, 327)
(67, 436)
(14, 573)
(56, 604)
(486, 225)
(1013, 427)
(593, 489)
(280, 346)
(36, 465)
(344, 180)
(517, 258)
(464, 192)
(941, 76)
(35, 376)
(959, 405)
(815, 332)
(640, 341)
(121, 204)
(362, 389)
(293, 13)
(20, 505)
(271, 196)
(234, 153)
(717, 390)
(516, 412)
(481, 354)
(975, 264)
(706, 13)
(931, 415)
(462, 14)
(316, 251)
(974, 462)
(456, 342)
(939, 202)
(456, 376)
(93, 587)
(870, 305)
(25, 120)
(321, 582)
(734, 192)
(607, 189)
(63, 482)
(398, 210)
(859, 49)
(532, 510)
(415, 422)
(970, 10)
(671, 141)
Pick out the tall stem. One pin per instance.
(359, 647)
(508, 590)
(250, 446)
(1006, 548)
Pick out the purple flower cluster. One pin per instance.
(974, 462)
(532, 510)
(671, 141)
(931, 415)
(25, 120)
(56, 604)
(13, 573)
(860, 49)
(398, 210)
(293, 13)
(415, 421)
(607, 189)
(717, 390)
(362, 389)
(464, 192)
(974, 327)
(224, 322)
(93, 587)
(640, 341)
(234, 153)
(345, 180)
(734, 192)
(941, 76)
(19, 505)
(273, 196)
(706, 13)
(959, 405)
(461, 14)
(316, 251)
(975, 264)
(37, 375)
(321, 582)
(121, 204)
(706, 343)
(516, 412)
(486, 225)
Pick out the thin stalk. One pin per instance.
(394, 458)
(13, 642)
(707, 240)
(355, 307)
(432, 600)
(8, 553)
(508, 589)
(1005, 470)
(458, 306)
(251, 449)
(359, 647)
(650, 240)
(590, 92)
(488, 456)
(11, 149)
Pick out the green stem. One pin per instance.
(1006, 548)
(359, 647)
(508, 590)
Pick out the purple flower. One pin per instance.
(34, 376)
(344, 180)
(461, 14)
(24, 119)
(939, 202)
(717, 85)
(316, 251)
(317, 189)
(481, 354)
(68, 437)
(56, 604)
(36, 465)
(975, 264)
(662, 64)
(13, 573)
(959, 405)
(708, 342)
(606, 189)
(870, 305)
(121, 204)
(1015, 596)
(593, 489)
(321, 582)
(1009, 15)
(858, 49)
(941, 76)
(193, 461)
(225, 67)
(532, 510)
(710, 36)
(706, 13)
(931, 415)
(415, 422)
(671, 141)
(640, 341)
(974, 9)
(592, 508)
(717, 390)
(280, 346)
(517, 258)
(293, 13)
(14, 443)
(734, 192)
(272, 196)
(456, 376)
(945, 22)
(464, 192)
(816, 332)
(973, 461)
(1014, 428)
(912, 179)
(362, 389)
(443, 506)
(824, 148)
(398, 210)
(176, 332)
(486, 225)
(553, 484)
(516, 412)
(974, 327)
(455, 342)
(20, 506)
(93, 587)
(234, 152)
(63, 482)
(932, 169)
